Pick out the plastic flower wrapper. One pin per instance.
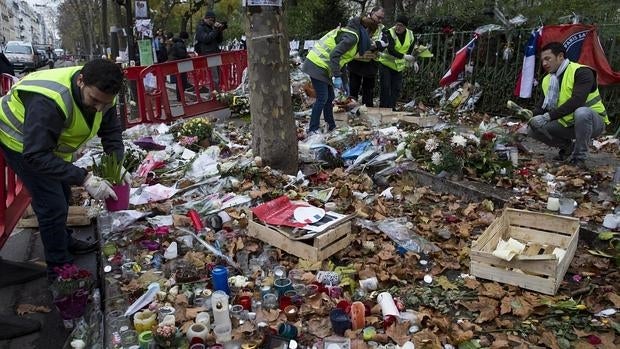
(70, 279)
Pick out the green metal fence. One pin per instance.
(495, 75)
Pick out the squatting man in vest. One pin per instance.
(44, 119)
(326, 66)
(572, 112)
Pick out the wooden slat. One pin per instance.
(331, 241)
(539, 237)
(537, 267)
(77, 217)
(543, 221)
(530, 282)
(531, 249)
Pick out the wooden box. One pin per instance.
(78, 216)
(536, 268)
(314, 249)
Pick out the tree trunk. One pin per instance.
(104, 23)
(274, 136)
(389, 7)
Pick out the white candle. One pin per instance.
(553, 204)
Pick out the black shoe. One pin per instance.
(580, 163)
(562, 155)
(77, 246)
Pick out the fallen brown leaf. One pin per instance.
(426, 339)
(320, 327)
(23, 309)
(399, 332)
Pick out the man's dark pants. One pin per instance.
(391, 82)
(50, 202)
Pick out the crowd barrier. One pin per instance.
(146, 99)
(14, 198)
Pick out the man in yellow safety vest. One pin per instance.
(572, 112)
(325, 64)
(44, 119)
(394, 60)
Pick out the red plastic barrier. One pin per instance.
(149, 91)
(14, 198)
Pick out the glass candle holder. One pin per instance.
(296, 275)
(292, 313)
(219, 304)
(129, 338)
(282, 285)
(279, 272)
(311, 290)
(245, 302)
(223, 333)
(270, 301)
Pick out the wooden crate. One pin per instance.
(315, 249)
(77, 217)
(533, 270)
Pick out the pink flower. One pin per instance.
(577, 278)
(185, 140)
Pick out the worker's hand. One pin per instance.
(337, 81)
(99, 188)
(538, 121)
(409, 58)
(382, 44)
(126, 176)
(416, 67)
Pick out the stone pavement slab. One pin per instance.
(25, 245)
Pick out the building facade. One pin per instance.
(27, 21)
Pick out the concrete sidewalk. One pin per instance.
(25, 245)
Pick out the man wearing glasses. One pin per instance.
(363, 68)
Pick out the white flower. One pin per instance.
(458, 140)
(472, 137)
(431, 145)
(436, 158)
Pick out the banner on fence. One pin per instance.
(458, 64)
(582, 45)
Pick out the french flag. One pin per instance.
(458, 64)
(525, 82)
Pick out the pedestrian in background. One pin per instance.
(326, 66)
(363, 68)
(178, 50)
(209, 36)
(394, 60)
(39, 142)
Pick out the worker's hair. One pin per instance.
(375, 9)
(555, 47)
(104, 75)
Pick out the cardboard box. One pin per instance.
(315, 249)
(536, 268)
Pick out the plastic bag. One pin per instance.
(397, 230)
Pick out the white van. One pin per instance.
(22, 55)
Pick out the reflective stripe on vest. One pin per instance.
(593, 100)
(55, 85)
(398, 64)
(319, 55)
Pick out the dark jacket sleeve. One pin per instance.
(111, 133)
(43, 124)
(345, 41)
(391, 46)
(585, 82)
(208, 38)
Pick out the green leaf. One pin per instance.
(600, 253)
(470, 344)
(607, 235)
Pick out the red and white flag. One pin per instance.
(458, 64)
(582, 45)
(525, 82)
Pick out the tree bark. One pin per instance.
(104, 23)
(274, 136)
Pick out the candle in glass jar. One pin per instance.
(358, 315)
(553, 203)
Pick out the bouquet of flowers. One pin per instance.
(166, 336)
(456, 153)
(194, 133)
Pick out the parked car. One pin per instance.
(22, 55)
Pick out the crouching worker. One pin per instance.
(44, 119)
(572, 112)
